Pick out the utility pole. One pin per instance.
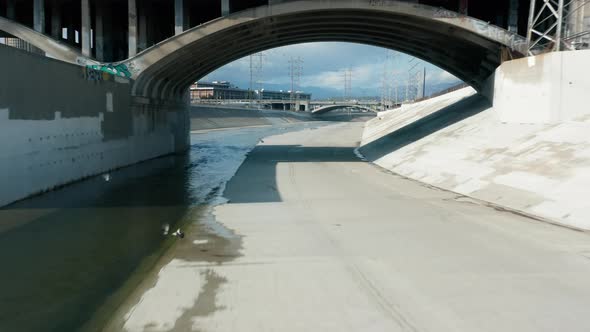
(256, 66)
(295, 72)
(413, 63)
(385, 87)
(396, 84)
(251, 81)
(424, 84)
(347, 83)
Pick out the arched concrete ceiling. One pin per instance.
(466, 47)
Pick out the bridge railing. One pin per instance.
(247, 101)
(20, 44)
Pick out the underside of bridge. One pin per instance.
(180, 41)
(467, 48)
(157, 20)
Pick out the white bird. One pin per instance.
(165, 229)
(179, 234)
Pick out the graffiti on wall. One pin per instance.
(120, 70)
(94, 75)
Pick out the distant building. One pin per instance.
(225, 91)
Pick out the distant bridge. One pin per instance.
(367, 103)
(284, 104)
(333, 107)
(316, 107)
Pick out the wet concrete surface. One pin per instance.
(82, 242)
(70, 256)
(341, 245)
(304, 237)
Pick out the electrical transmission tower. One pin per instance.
(556, 25)
(387, 81)
(424, 82)
(347, 84)
(295, 72)
(416, 84)
(411, 83)
(256, 66)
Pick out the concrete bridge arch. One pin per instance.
(466, 47)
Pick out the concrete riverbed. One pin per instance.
(311, 238)
(286, 230)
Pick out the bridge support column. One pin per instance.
(99, 32)
(464, 7)
(142, 32)
(305, 105)
(86, 28)
(132, 27)
(39, 15)
(224, 7)
(178, 16)
(513, 16)
(69, 21)
(11, 9)
(56, 20)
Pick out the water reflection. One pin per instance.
(64, 253)
(83, 242)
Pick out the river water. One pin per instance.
(66, 254)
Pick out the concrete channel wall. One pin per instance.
(60, 123)
(548, 88)
(461, 143)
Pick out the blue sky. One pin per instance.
(324, 66)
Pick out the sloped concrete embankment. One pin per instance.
(459, 142)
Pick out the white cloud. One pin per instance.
(441, 76)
